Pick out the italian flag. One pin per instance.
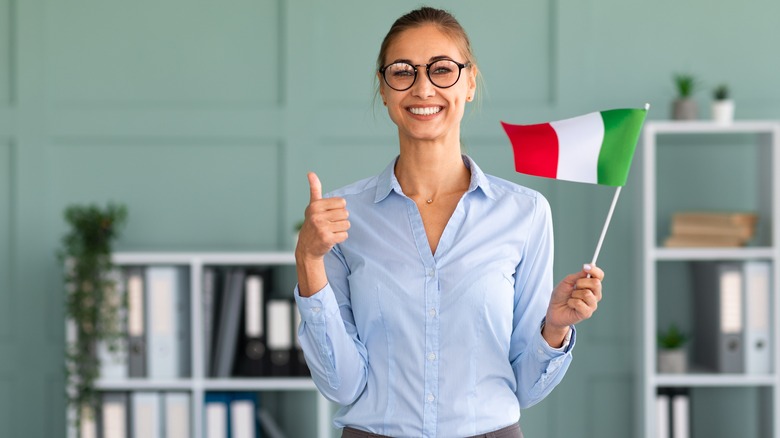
(594, 148)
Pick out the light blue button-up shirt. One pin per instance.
(415, 344)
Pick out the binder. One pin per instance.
(136, 325)
(209, 307)
(146, 415)
(216, 414)
(280, 330)
(88, 427)
(228, 323)
(301, 368)
(681, 416)
(718, 342)
(177, 415)
(167, 307)
(244, 422)
(251, 355)
(758, 348)
(114, 415)
(662, 416)
(114, 364)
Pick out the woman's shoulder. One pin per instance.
(356, 188)
(504, 188)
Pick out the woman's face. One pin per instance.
(425, 112)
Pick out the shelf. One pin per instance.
(145, 385)
(210, 258)
(260, 384)
(710, 127)
(714, 380)
(683, 254)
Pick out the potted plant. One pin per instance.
(684, 107)
(672, 356)
(722, 105)
(91, 309)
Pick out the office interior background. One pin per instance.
(204, 117)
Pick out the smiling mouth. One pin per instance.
(427, 111)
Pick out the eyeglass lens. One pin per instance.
(444, 73)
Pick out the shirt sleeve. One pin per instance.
(538, 367)
(328, 335)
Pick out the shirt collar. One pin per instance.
(387, 181)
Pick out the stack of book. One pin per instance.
(711, 229)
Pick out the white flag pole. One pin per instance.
(606, 225)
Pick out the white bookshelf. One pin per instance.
(765, 136)
(198, 384)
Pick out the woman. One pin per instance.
(426, 292)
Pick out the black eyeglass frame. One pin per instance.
(461, 66)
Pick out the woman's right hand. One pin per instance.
(324, 225)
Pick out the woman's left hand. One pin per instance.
(575, 298)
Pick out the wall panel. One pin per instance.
(6, 52)
(6, 209)
(173, 53)
(180, 195)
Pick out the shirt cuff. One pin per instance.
(545, 350)
(316, 307)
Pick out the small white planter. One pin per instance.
(723, 111)
(672, 361)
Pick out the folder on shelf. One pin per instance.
(113, 417)
(136, 324)
(114, 364)
(244, 422)
(228, 323)
(209, 308)
(177, 415)
(662, 416)
(168, 310)
(719, 329)
(145, 413)
(280, 343)
(251, 354)
(681, 416)
(89, 423)
(757, 307)
(216, 415)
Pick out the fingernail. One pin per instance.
(586, 267)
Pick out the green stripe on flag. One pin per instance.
(621, 133)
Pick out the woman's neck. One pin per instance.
(429, 170)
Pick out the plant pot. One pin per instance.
(684, 109)
(723, 111)
(672, 361)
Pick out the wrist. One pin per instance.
(555, 335)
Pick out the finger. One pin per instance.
(587, 296)
(582, 309)
(593, 270)
(592, 284)
(315, 187)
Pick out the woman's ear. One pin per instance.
(472, 76)
(381, 88)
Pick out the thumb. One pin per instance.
(315, 187)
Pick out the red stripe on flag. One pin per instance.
(535, 148)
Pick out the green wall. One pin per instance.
(203, 118)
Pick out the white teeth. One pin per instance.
(425, 111)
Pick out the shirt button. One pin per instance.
(315, 309)
(431, 273)
(432, 312)
(430, 398)
(431, 356)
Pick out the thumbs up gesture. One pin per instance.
(325, 223)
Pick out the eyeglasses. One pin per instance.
(444, 73)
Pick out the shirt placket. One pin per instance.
(432, 302)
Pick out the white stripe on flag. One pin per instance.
(579, 144)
